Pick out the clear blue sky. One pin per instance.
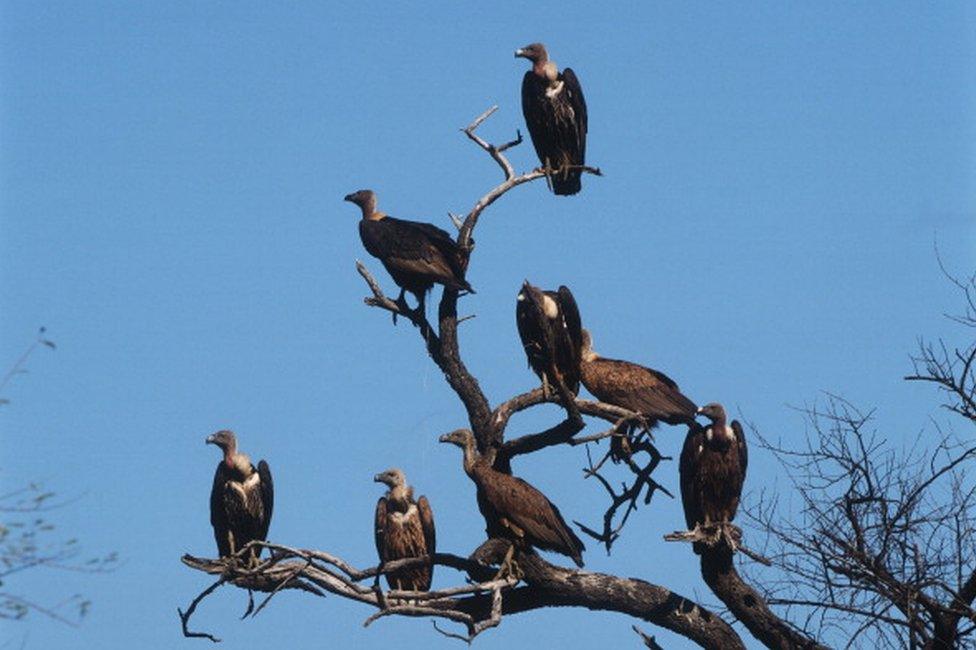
(171, 178)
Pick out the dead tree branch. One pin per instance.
(885, 538)
(511, 179)
(627, 498)
(477, 606)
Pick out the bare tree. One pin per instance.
(482, 599)
(884, 537)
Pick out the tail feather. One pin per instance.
(568, 185)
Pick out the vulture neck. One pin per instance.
(470, 458)
(400, 496)
(719, 432)
(239, 462)
(589, 355)
(546, 69)
(372, 215)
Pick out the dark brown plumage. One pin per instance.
(549, 326)
(242, 498)
(417, 255)
(404, 528)
(512, 508)
(633, 387)
(555, 114)
(712, 469)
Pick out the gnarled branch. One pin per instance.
(477, 606)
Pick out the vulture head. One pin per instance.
(365, 199)
(392, 478)
(460, 438)
(224, 439)
(536, 53)
(539, 297)
(714, 412)
(719, 433)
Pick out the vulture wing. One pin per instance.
(687, 468)
(379, 529)
(427, 523)
(537, 119)
(218, 514)
(576, 144)
(740, 437)
(570, 340)
(571, 318)
(530, 510)
(637, 388)
(414, 247)
(267, 498)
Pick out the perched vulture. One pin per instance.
(417, 255)
(634, 387)
(712, 469)
(555, 113)
(512, 508)
(241, 500)
(549, 326)
(404, 528)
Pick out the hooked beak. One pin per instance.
(378, 478)
(349, 197)
(519, 52)
(445, 438)
(210, 440)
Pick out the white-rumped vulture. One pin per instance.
(555, 114)
(549, 326)
(404, 528)
(513, 509)
(633, 387)
(241, 500)
(417, 255)
(712, 469)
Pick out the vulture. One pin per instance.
(513, 509)
(712, 469)
(636, 388)
(549, 326)
(241, 500)
(404, 528)
(633, 387)
(555, 114)
(417, 255)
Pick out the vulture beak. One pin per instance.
(210, 440)
(378, 478)
(445, 438)
(348, 197)
(699, 410)
(519, 52)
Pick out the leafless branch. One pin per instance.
(511, 178)
(643, 484)
(477, 606)
(185, 616)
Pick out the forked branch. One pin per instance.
(479, 605)
(512, 179)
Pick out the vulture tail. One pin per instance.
(568, 185)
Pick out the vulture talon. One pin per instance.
(509, 567)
